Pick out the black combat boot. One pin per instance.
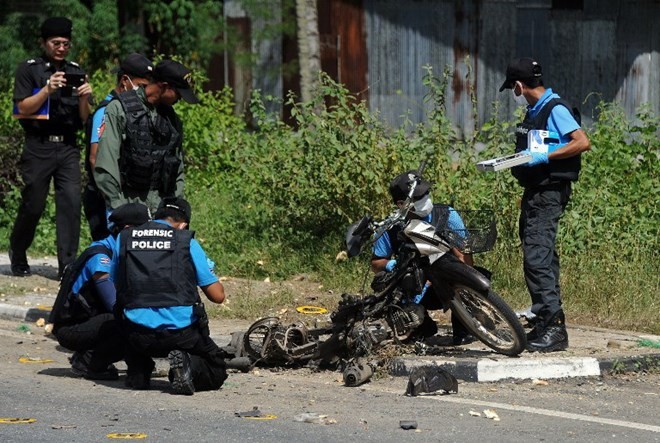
(553, 338)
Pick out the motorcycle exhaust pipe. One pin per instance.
(357, 372)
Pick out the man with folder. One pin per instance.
(52, 100)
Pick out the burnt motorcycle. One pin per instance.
(393, 312)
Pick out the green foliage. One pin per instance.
(273, 201)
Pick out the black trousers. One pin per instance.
(101, 334)
(41, 161)
(541, 209)
(207, 359)
(94, 206)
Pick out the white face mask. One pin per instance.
(423, 206)
(135, 88)
(519, 99)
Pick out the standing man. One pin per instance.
(157, 268)
(546, 180)
(134, 71)
(50, 111)
(140, 156)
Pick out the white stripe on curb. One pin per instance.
(494, 370)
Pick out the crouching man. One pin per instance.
(157, 269)
(82, 315)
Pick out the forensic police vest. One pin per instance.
(565, 169)
(155, 267)
(150, 154)
(439, 217)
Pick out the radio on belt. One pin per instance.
(537, 141)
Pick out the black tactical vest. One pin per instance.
(439, 217)
(70, 308)
(554, 171)
(150, 155)
(155, 267)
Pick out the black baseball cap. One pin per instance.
(135, 65)
(178, 76)
(519, 70)
(399, 187)
(56, 27)
(134, 214)
(178, 204)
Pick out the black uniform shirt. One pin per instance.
(64, 117)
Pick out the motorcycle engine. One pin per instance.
(405, 319)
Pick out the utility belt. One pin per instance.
(68, 139)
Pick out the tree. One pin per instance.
(309, 49)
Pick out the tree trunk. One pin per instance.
(309, 51)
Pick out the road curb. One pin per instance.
(490, 370)
(22, 313)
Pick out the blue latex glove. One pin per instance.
(389, 267)
(538, 158)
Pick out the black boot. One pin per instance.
(553, 338)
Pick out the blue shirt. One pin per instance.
(173, 317)
(97, 120)
(560, 120)
(383, 247)
(97, 263)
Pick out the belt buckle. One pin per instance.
(56, 138)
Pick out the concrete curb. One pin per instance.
(23, 313)
(489, 370)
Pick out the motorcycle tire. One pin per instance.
(489, 319)
(256, 341)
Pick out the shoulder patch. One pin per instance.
(31, 61)
(74, 64)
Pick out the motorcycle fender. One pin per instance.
(448, 270)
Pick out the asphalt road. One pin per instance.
(56, 407)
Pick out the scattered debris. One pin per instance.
(267, 280)
(311, 310)
(645, 342)
(255, 414)
(475, 413)
(34, 360)
(48, 329)
(313, 417)
(430, 379)
(408, 424)
(63, 426)
(357, 372)
(614, 344)
(23, 328)
(491, 414)
(40, 323)
(127, 435)
(16, 421)
(341, 257)
(539, 382)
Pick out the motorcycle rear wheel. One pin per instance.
(490, 319)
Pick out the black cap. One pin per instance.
(135, 65)
(399, 187)
(134, 214)
(519, 70)
(56, 27)
(178, 76)
(177, 204)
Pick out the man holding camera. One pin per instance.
(52, 100)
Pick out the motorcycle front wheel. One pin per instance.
(490, 319)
